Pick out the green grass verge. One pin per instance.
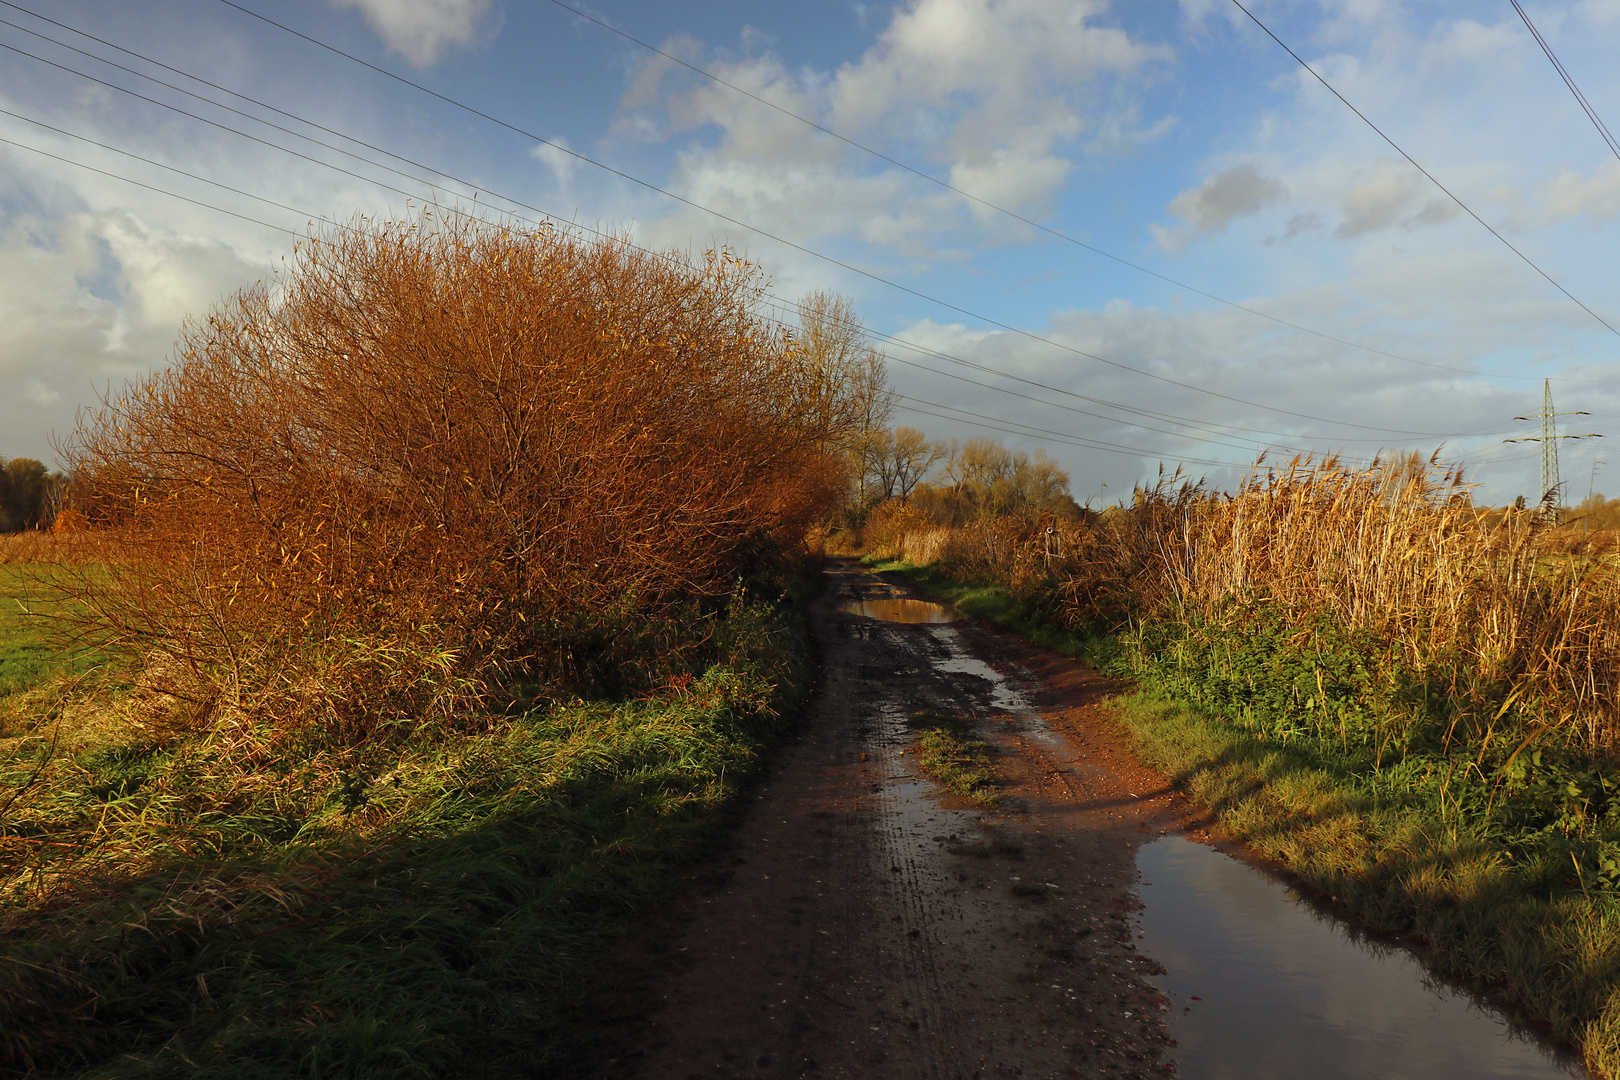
(436, 909)
(954, 756)
(1511, 879)
(1393, 850)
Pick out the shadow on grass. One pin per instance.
(454, 954)
(454, 927)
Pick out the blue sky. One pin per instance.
(1172, 135)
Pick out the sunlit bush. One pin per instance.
(446, 453)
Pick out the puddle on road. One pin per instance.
(1286, 991)
(1006, 695)
(954, 658)
(897, 609)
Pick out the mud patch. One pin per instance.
(863, 922)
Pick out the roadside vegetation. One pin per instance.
(396, 646)
(1410, 701)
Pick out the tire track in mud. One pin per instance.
(861, 924)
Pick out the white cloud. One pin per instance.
(165, 277)
(38, 393)
(1236, 192)
(1391, 193)
(1599, 12)
(556, 158)
(1245, 358)
(1240, 191)
(1003, 84)
(1469, 44)
(1378, 200)
(994, 95)
(93, 299)
(421, 30)
(1009, 176)
(1594, 197)
(930, 92)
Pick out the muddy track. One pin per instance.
(861, 924)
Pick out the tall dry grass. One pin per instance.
(1398, 553)
(1497, 612)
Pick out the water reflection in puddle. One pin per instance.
(1286, 992)
(954, 658)
(897, 609)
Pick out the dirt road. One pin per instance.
(860, 924)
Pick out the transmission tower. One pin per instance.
(1550, 482)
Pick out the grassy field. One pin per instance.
(26, 656)
(32, 650)
(1509, 873)
(188, 906)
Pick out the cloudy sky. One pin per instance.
(1128, 233)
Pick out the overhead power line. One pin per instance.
(1057, 436)
(802, 249)
(148, 161)
(1586, 106)
(1413, 161)
(1207, 426)
(239, 96)
(1013, 214)
(970, 417)
(709, 75)
(225, 127)
(434, 203)
(429, 201)
(1040, 434)
(1007, 426)
(1196, 426)
(148, 187)
(1070, 408)
(517, 202)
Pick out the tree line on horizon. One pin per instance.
(28, 495)
(952, 483)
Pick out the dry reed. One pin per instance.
(1398, 552)
(1500, 613)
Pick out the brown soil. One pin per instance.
(858, 923)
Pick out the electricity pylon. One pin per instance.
(1550, 482)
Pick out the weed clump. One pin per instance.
(953, 755)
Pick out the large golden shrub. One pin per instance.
(454, 440)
